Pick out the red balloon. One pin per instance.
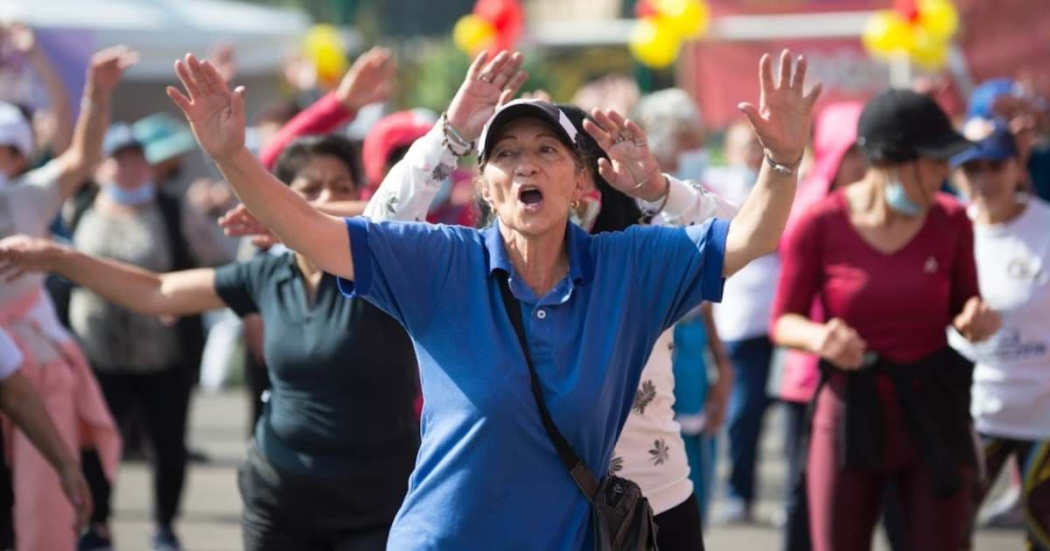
(508, 18)
(644, 9)
(909, 9)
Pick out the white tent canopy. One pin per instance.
(163, 30)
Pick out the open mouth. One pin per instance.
(531, 197)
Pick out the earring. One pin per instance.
(575, 204)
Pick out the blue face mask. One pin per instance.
(142, 194)
(898, 200)
(692, 164)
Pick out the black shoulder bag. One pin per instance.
(623, 519)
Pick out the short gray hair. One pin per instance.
(662, 114)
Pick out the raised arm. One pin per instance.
(85, 152)
(216, 115)
(176, 293)
(369, 80)
(24, 40)
(782, 122)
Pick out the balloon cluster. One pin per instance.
(494, 24)
(323, 46)
(662, 26)
(920, 29)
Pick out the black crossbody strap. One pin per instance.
(583, 477)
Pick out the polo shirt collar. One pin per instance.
(581, 265)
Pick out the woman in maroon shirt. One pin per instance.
(891, 261)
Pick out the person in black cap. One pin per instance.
(1011, 390)
(892, 262)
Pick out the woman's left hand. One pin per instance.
(631, 167)
(977, 321)
(784, 114)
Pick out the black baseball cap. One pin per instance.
(536, 109)
(898, 126)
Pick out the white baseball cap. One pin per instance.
(15, 130)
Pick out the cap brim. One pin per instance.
(522, 110)
(946, 147)
(979, 153)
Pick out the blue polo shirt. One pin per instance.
(487, 476)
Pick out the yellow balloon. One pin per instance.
(928, 51)
(938, 17)
(323, 46)
(689, 18)
(473, 34)
(887, 33)
(654, 42)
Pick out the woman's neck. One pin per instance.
(541, 260)
(311, 273)
(867, 201)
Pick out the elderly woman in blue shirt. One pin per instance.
(487, 474)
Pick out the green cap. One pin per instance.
(163, 137)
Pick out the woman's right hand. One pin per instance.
(215, 113)
(22, 254)
(840, 344)
(486, 87)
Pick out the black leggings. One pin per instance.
(163, 399)
(678, 528)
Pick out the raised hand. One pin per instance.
(21, 37)
(238, 222)
(977, 321)
(631, 167)
(784, 113)
(369, 80)
(215, 114)
(106, 69)
(488, 85)
(22, 254)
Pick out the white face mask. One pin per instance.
(692, 164)
(898, 200)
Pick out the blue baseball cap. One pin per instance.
(992, 139)
(982, 100)
(119, 136)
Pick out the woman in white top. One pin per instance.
(1011, 380)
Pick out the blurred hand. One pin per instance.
(238, 222)
(784, 114)
(718, 403)
(21, 37)
(540, 95)
(224, 58)
(369, 80)
(841, 345)
(485, 88)
(215, 114)
(208, 196)
(21, 254)
(106, 69)
(631, 167)
(977, 321)
(76, 490)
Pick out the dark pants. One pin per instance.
(163, 399)
(318, 512)
(747, 409)
(7, 502)
(1033, 458)
(845, 502)
(678, 528)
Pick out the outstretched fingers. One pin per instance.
(798, 80)
(180, 100)
(785, 69)
(183, 72)
(475, 68)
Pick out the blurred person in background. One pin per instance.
(891, 261)
(1011, 380)
(56, 367)
(23, 408)
(743, 324)
(52, 124)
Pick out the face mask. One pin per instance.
(587, 213)
(143, 194)
(692, 164)
(898, 200)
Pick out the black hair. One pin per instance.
(619, 211)
(298, 154)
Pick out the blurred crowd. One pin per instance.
(161, 283)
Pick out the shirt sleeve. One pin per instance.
(690, 203)
(400, 267)
(10, 356)
(37, 199)
(964, 272)
(680, 267)
(800, 270)
(412, 184)
(236, 285)
(322, 117)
